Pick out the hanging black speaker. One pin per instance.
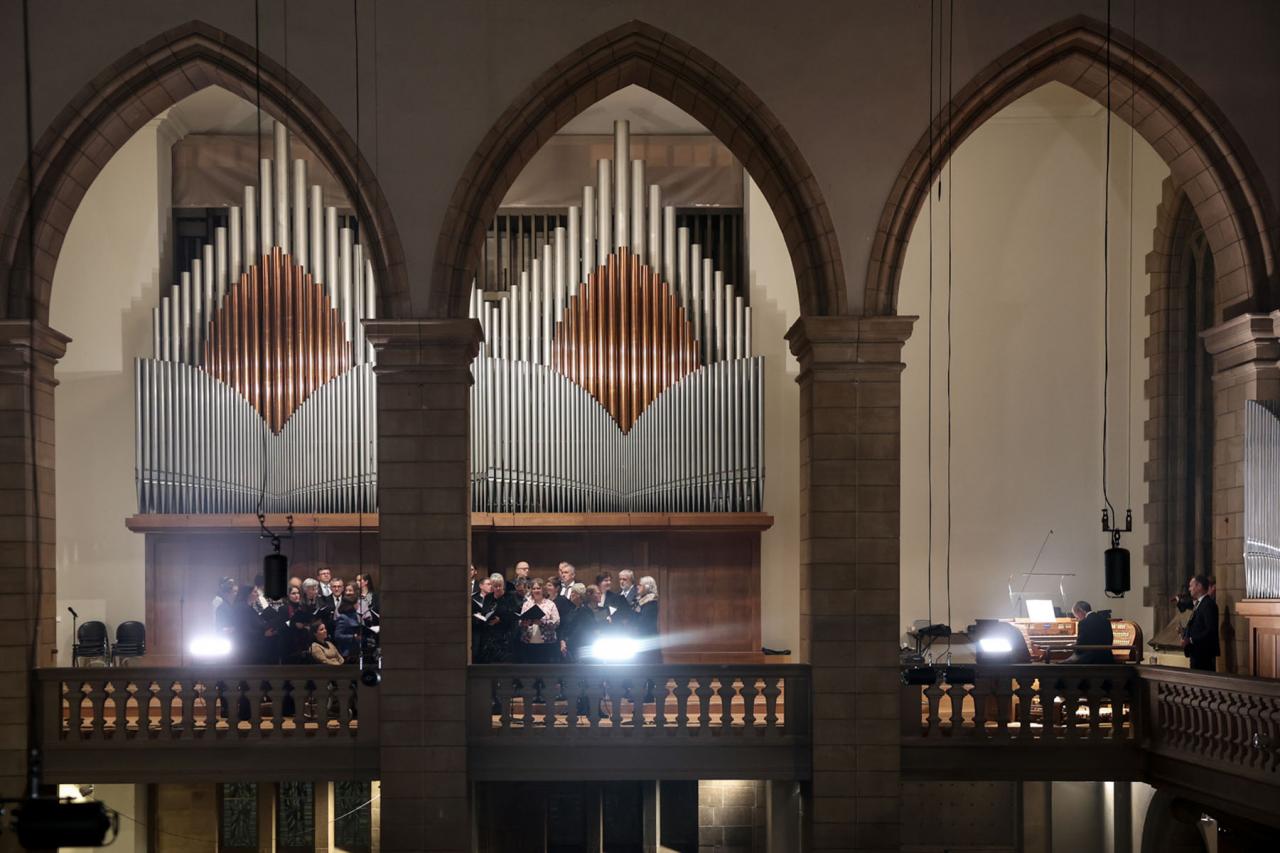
(275, 575)
(1117, 571)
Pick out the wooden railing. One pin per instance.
(125, 715)
(1217, 736)
(760, 712)
(1022, 704)
(1218, 722)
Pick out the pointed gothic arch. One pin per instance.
(639, 54)
(1205, 154)
(143, 83)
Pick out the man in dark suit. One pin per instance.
(1200, 637)
(1093, 631)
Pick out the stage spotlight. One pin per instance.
(995, 645)
(210, 647)
(615, 649)
(48, 824)
(370, 676)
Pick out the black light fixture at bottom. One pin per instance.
(48, 824)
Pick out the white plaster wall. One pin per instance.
(1026, 367)
(775, 305)
(109, 273)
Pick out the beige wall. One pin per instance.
(109, 274)
(775, 305)
(1027, 361)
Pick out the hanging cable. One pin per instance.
(951, 193)
(1133, 87)
(37, 528)
(929, 429)
(1106, 273)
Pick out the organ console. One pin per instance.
(1055, 640)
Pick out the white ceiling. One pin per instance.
(1052, 100)
(215, 110)
(648, 113)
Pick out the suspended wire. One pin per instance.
(262, 328)
(1106, 273)
(1133, 87)
(951, 193)
(37, 528)
(929, 430)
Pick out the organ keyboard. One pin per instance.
(1054, 641)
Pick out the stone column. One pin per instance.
(1246, 366)
(850, 396)
(424, 498)
(28, 353)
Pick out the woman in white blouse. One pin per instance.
(539, 621)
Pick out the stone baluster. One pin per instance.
(682, 694)
(704, 702)
(772, 690)
(726, 693)
(749, 693)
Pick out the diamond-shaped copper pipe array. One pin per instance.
(624, 337)
(276, 338)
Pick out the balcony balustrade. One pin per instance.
(1217, 736)
(125, 724)
(667, 721)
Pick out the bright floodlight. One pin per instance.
(210, 646)
(615, 649)
(1040, 610)
(995, 645)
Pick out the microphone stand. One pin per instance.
(75, 617)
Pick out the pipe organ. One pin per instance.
(260, 376)
(617, 373)
(1261, 499)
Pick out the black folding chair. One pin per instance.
(91, 642)
(131, 641)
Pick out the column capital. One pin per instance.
(31, 344)
(847, 346)
(1250, 340)
(406, 346)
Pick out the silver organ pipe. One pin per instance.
(638, 228)
(604, 221)
(300, 220)
(235, 248)
(621, 184)
(281, 163)
(248, 311)
(250, 228)
(617, 373)
(266, 216)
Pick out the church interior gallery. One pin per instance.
(856, 426)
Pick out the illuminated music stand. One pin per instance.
(1018, 598)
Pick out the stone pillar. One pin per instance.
(850, 395)
(424, 499)
(28, 353)
(1246, 366)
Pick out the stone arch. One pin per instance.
(1206, 156)
(640, 54)
(139, 86)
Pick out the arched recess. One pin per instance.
(1205, 155)
(1179, 473)
(139, 86)
(639, 54)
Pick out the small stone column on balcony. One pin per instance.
(1246, 366)
(28, 352)
(850, 393)
(424, 499)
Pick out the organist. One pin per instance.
(1094, 637)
